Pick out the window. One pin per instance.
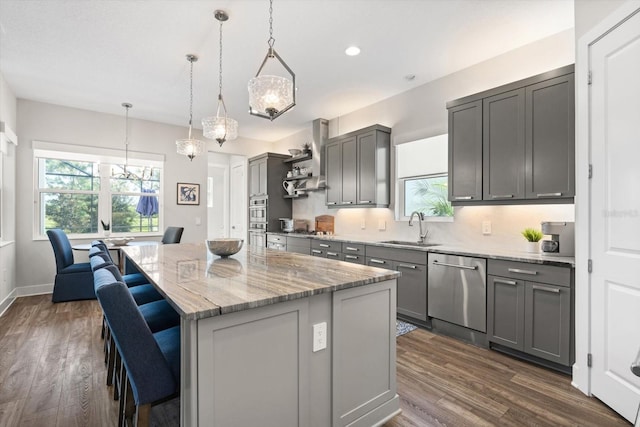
(80, 193)
(422, 180)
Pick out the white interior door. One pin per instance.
(615, 215)
(218, 201)
(238, 201)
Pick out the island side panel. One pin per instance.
(364, 355)
(253, 367)
(188, 372)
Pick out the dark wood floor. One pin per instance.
(52, 374)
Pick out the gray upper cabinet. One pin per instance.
(258, 177)
(515, 143)
(357, 168)
(503, 146)
(465, 152)
(550, 137)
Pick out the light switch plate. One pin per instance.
(382, 225)
(319, 336)
(363, 224)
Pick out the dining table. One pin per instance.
(111, 246)
(273, 338)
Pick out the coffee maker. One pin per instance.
(562, 238)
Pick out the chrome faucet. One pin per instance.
(423, 234)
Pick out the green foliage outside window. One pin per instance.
(70, 195)
(427, 195)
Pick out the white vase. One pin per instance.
(533, 247)
(107, 233)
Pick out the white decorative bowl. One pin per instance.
(119, 241)
(224, 247)
(295, 151)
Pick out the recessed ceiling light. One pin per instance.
(352, 51)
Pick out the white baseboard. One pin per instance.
(24, 291)
(6, 303)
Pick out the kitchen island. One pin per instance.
(272, 338)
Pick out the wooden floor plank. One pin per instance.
(52, 373)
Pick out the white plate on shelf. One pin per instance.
(119, 241)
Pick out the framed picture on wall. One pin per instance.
(188, 194)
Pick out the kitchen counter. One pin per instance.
(490, 253)
(278, 336)
(200, 285)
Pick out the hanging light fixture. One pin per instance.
(126, 173)
(190, 147)
(220, 127)
(271, 96)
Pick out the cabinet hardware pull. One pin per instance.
(349, 248)
(347, 203)
(351, 257)
(332, 253)
(517, 270)
(323, 245)
(413, 267)
(332, 203)
(505, 282)
(315, 251)
(464, 267)
(377, 261)
(502, 196)
(463, 197)
(366, 201)
(549, 194)
(544, 288)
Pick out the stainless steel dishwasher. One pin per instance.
(457, 287)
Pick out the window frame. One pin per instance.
(400, 184)
(105, 158)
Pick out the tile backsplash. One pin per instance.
(465, 229)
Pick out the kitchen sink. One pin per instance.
(409, 243)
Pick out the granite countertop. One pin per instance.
(199, 285)
(491, 253)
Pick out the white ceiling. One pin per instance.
(96, 54)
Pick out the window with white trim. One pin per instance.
(422, 179)
(88, 195)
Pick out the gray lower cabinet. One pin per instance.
(276, 241)
(530, 309)
(514, 143)
(357, 168)
(353, 252)
(412, 285)
(300, 245)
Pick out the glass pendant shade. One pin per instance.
(270, 95)
(190, 147)
(220, 128)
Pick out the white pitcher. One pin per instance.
(289, 187)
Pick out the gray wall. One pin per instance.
(52, 123)
(420, 113)
(8, 107)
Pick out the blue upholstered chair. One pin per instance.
(142, 293)
(151, 361)
(74, 281)
(172, 235)
(100, 249)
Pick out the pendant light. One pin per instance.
(190, 147)
(126, 173)
(220, 127)
(271, 96)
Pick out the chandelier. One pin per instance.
(147, 173)
(190, 147)
(271, 96)
(221, 127)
